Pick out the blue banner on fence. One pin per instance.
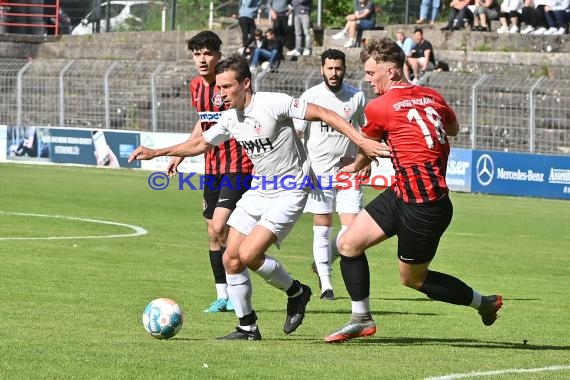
(521, 174)
(95, 147)
(459, 166)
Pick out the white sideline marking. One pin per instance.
(138, 231)
(499, 372)
(522, 236)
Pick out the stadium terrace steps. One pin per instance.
(464, 51)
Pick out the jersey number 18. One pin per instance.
(434, 118)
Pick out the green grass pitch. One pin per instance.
(71, 309)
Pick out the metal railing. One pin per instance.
(496, 112)
(29, 17)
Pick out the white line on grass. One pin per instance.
(499, 372)
(470, 234)
(137, 231)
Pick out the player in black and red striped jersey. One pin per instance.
(227, 164)
(414, 121)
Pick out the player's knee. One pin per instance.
(409, 281)
(249, 257)
(212, 237)
(219, 231)
(245, 255)
(346, 247)
(231, 261)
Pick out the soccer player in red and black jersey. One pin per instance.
(414, 121)
(227, 165)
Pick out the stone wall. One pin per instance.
(466, 51)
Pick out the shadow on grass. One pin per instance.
(454, 342)
(423, 299)
(401, 341)
(418, 299)
(346, 311)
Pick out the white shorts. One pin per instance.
(277, 212)
(430, 66)
(322, 201)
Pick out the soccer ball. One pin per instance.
(162, 318)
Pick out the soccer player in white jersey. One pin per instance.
(263, 125)
(325, 148)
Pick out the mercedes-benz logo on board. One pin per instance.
(485, 170)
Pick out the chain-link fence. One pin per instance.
(496, 112)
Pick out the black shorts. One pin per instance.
(223, 190)
(418, 226)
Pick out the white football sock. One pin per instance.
(222, 290)
(476, 301)
(321, 254)
(239, 292)
(249, 328)
(274, 274)
(361, 307)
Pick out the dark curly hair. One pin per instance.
(205, 39)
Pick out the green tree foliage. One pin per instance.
(192, 14)
(334, 12)
(388, 11)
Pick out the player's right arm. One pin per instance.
(191, 147)
(172, 168)
(370, 147)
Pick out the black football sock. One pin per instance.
(295, 289)
(218, 267)
(248, 320)
(445, 288)
(356, 276)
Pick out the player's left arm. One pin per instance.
(450, 123)
(369, 147)
(452, 128)
(359, 164)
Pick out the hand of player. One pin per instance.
(347, 164)
(373, 148)
(364, 172)
(172, 168)
(142, 153)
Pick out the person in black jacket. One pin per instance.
(271, 50)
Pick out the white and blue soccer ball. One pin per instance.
(163, 318)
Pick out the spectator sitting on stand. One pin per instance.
(459, 11)
(422, 58)
(271, 50)
(557, 16)
(510, 11)
(257, 43)
(533, 17)
(363, 18)
(485, 11)
(407, 44)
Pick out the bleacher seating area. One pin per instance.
(139, 81)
